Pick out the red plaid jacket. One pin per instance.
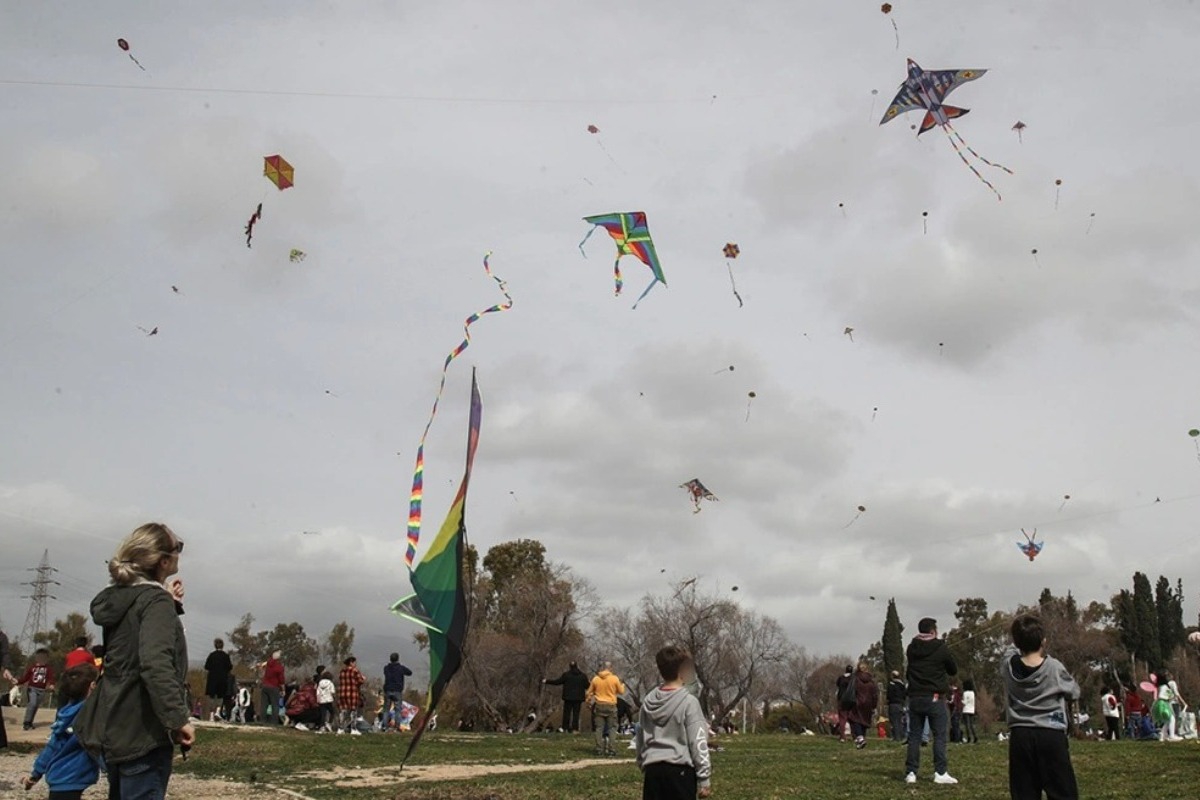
(349, 694)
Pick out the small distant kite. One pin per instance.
(296, 256)
(725, 369)
(175, 289)
(1057, 191)
(731, 252)
(592, 129)
(861, 510)
(924, 222)
(255, 217)
(928, 90)
(124, 45)
(698, 492)
(886, 8)
(279, 172)
(749, 402)
(152, 332)
(849, 332)
(1020, 128)
(1030, 547)
(1066, 499)
(631, 233)
(1195, 434)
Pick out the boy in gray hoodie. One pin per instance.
(1039, 689)
(672, 738)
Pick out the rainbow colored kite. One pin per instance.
(418, 483)
(632, 235)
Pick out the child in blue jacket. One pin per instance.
(68, 769)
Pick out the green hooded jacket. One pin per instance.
(140, 698)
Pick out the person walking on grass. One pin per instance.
(1039, 692)
(574, 683)
(349, 697)
(866, 700)
(326, 694)
(138, 710)
(968, 713)
(672, 737)
(273, 681)
(218, 667)
(897, 698)
(930, 666)
(39, 682)
(66, 766)
(602, 696)
(846, 699)
(394, 674)
(1110, 707)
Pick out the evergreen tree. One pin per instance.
(1168, 606)
(893, 641)
(1125, 619)
(1146, 616)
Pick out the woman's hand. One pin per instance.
(175, 587)
(186, 735)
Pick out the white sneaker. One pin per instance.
(944, 778)
(357, 732)
(300, 726)
(633, 744)
(910, 777)
(340, 732)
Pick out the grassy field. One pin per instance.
(750, 768)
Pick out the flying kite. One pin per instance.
(152, 332)
(279, 172)
(1066, 499)
(438, 602)
(886, 8)
(699, 492)
(632, 236)
(1020, 128)
(255, 217)
(124, 45)
(1057, 191)
(731, 252)
(749, 402)
(296, 256)
(861, 510)
(724, 369)
(849, 332)
(418, 482)
(928, 90)
(1030, 547)
(1195, 434)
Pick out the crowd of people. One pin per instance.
(132, 720)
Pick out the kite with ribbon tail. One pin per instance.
(632, 234)
(438, 602)
(418, 483)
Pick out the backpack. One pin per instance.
(848, 696)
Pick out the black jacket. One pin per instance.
(575, 685)
(930, 666)
(218, 665)
(897, 692)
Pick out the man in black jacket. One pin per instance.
(574, 683)
(897, 694)
(930, 666)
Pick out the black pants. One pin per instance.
(3, 732)
(67, 795)
(1114, 728)
(570, 721)
(669, 782)
(1039, 760)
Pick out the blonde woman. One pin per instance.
(139, 709)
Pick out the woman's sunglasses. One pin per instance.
(178, 548)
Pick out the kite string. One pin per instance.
(642, 296)
(733, 285)
(418, 484)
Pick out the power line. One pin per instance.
(35, 620)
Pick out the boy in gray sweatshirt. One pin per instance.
(1039, 689)
(672, 738)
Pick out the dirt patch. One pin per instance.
(388, 776)
(14, 767)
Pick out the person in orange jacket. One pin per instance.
(602, 699)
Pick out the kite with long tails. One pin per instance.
(418, 483)
(631, 233)
(927, 89)
(1031, 547)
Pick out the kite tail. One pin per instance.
(733, 285)
(418, 483)
(619, 281)
(643, 295)
(971, 150)
(591, 230)
(971, 167)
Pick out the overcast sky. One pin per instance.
(283, 397)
